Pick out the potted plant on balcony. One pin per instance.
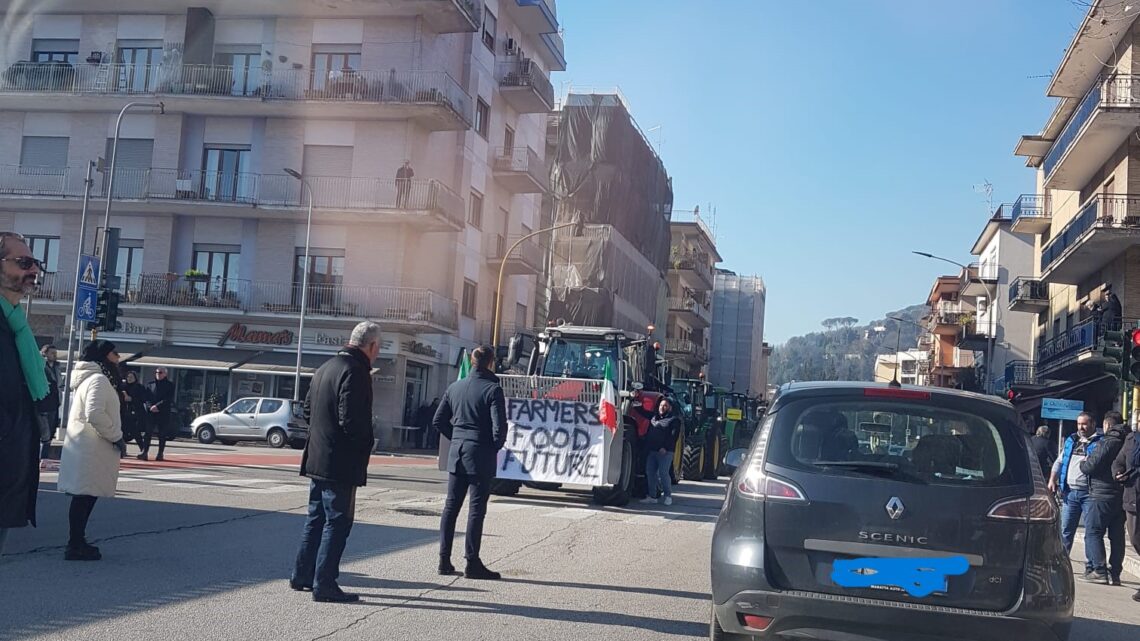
(195, 276)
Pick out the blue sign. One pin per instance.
(85, 304)
(1061, 408)
(89, 271)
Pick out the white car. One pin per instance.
(277, 421)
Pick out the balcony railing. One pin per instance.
(987, 271)
(1115, 91)
(1024, 289)
(686, 347)
(523, 72)
(1064, 348)
(528, 252)
(693, 261)
(1105, 211)
(1021, 373)
(691, 305)
(342, 85)
(261, 190)
(397, 305)
(1031, 206)
(523, 160)
(690, 217)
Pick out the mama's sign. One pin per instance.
(238, 333)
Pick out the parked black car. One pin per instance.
(846, 480)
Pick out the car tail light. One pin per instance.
(755, 484)
(755, 622)
(1038, 508)
(894, 392)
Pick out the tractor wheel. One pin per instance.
(693, 457)
(678, 450)
(714, 455)
(619, 494)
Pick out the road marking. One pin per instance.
(276, 489)
(647, 519)
(179, 476)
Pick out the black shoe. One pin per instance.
(142, 457)
(339, 596)
(447, 569)
(1096, 577)
(82, 553)
(300, 587)
(476, 570)
(159, 458)
(1136, 597)
(1114, 580)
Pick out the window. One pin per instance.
(43, 155)
(244, 406)
(45, 248)
(225, 174)
(332, 63)
(55, 51)
(129, 265)
(220, 263)
(508, 140)
(244, 64)
(475, 216)
(326, 275)
(140, 61)
(490, 26)
(270, 405)
(482, 117)
(470, 295)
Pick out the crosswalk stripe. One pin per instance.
(179, 476)
(276, 489)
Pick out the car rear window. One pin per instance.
(269, 406)
(907, 441)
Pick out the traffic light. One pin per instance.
(1132, 364)
(1116, 353)
(106, 311)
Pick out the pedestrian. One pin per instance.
(22, 384)
(473, 414)
(1044, 449)
(1107, 513)
(48, 407)
(93, 442)
(404, 177)
(1071, 484)
(1111, 308)
(161, 393)
(1126, 469)
(660, 443)
(338, 409)
(135, 398)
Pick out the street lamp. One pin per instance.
(496, 320)
(111, 179)
(304, 281)
(993, 310)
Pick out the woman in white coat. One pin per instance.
(93, 445)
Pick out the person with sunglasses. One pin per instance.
(22, 385)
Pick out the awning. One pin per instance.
(125, 350)
(280, 363)
(1061, 389)
(220, 360)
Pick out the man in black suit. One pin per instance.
(161, 403)
(473, 414)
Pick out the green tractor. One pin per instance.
(700, 446)
(742, 415)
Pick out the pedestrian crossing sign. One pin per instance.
(89, 271)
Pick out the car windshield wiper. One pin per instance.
(883, 468)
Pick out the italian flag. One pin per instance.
(607, 405)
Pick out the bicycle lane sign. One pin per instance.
(87, 295)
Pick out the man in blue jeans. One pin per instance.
(339, 411)
(1073, 485)
(660, 442)
(1106, 516)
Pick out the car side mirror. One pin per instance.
(735, 458)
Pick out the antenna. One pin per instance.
(986, 188)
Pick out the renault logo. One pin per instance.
(895, 508)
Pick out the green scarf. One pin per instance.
(30, 359)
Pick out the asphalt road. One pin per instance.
(200, 547)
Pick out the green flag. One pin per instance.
(464, 364)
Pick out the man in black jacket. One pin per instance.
(1045, 450)
(473, 414)
(1126, 469)
(1107, 513)
(339, 411)
(161, 394)
(660, 443)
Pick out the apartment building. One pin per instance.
(739, 352)
(416, 128)
(999, 335)
(950, 365)
(1085, 213)
(613, 199)
(912, 366)
(692, 261)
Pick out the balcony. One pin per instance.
(1105, 117)
(521, 171)
(947, 319)
(978, 280)
(524, 260)
(1028, 295)
(687, 348)
(1031, 214)
(944, 357)
(1080, 343)
(1104, 228)
(525, 86)
(695, 266)
(1021, 373)
(428, 205)
(974, 334)
(398, 308)
(431, 98)
(692, 311)
(449, 16)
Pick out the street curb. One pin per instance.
(1131, 563)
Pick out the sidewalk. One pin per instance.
(1131, 562)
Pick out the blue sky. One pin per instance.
(832, 136)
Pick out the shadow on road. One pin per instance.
(1091, 629)
(157, 554)
(675, 594)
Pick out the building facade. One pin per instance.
(692, 261)
(739, 355)
(950, 365)
(912, 366)
(1084, 215)
(417, 130)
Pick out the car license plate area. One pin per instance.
(890, 587)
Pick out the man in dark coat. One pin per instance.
(1107, 512)
(473, 414)
(339, 411)
(19, 424)
(1045, 450)
(1126, 469)
(161, 393)
(48, 406)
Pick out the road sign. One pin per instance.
(89, 271)
(1062, 408)
(85, 304)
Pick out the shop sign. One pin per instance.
(421, 349)
(239, 333)
(331, 340)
